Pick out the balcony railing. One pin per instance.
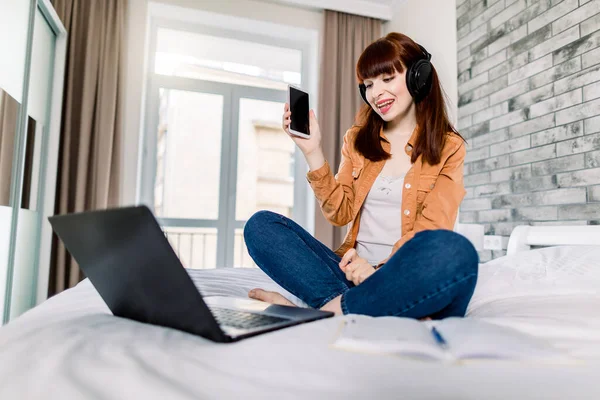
(196, 247)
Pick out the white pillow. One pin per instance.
(550, 271)
(551, 293)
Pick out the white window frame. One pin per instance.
(178, 18)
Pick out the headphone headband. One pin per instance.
(425, 52)
(418, 78)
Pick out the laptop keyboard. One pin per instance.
(243, 319)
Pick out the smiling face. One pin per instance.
(388, 95)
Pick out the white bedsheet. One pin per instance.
(71, 347)
(552, 293)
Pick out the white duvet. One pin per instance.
(71, 347)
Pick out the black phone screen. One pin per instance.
(299, 109)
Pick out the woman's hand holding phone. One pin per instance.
(311, 147)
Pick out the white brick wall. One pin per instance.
(529, 107)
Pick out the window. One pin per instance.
(215, 152)
(221, 59)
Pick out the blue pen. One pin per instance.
(439, 338)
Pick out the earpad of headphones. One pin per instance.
(362, 88)
(418, 79)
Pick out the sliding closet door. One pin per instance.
(33, 157)
(14, 19)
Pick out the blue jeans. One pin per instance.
(431, 275)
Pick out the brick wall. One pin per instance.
(529, 107)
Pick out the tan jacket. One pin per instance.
(430, 197)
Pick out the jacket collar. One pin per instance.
(409, 145)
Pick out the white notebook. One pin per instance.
(458, 339)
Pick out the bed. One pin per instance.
(71, 347)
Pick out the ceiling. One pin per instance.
(381, 9)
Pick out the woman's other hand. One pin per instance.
(311, 148)
(356, 268)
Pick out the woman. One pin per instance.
(399, 186)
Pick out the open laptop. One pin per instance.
(131, 263)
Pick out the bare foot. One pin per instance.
(270, 297)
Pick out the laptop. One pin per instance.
(132, 265)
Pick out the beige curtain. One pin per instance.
(345, 38)
(9, 112)
(88, 175)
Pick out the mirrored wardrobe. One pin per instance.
(31, 78)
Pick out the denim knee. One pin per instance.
(257, 223)
(466, 251)
(462, 250)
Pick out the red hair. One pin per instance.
(386, 56)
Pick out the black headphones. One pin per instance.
(418, 78)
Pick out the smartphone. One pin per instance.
(298, 101)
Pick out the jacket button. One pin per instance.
(406, 212)
(407, 186)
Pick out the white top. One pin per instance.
(380, 221)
